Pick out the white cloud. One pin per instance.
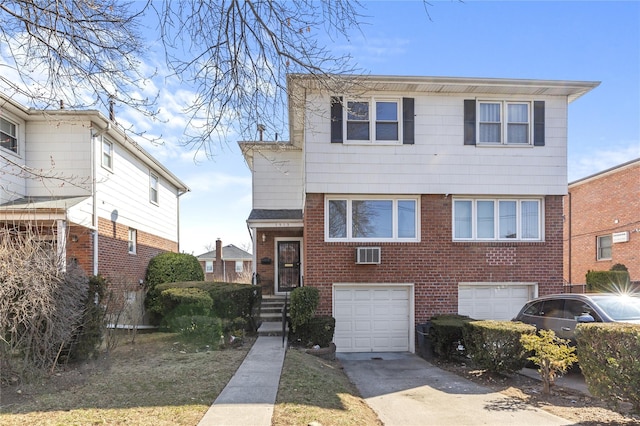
(595, 161)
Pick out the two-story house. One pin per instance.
(400, 198)
(90, 191)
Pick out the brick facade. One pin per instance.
(266, 250)
(602, 205)
(436, 264)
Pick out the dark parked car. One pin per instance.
(562, 312)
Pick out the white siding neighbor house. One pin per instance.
(101, 200)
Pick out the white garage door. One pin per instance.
(498, 301)
(371, 319)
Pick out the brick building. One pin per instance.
(400, 198)
(602, 226)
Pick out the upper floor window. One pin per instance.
(153, 188)
(133, 237)
(107, 154)
(504, 122)
(604, 243)
(501, 219)
(374, 219)
(372, 120)
(8, 135)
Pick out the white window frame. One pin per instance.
(504, 123)
(107, 165)
(496, 219)
(208, 266)
(600, 247)
(349, 211)
(373, 121)
(14, 136)
(154, 183)
(133, 241)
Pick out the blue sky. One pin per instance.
(573, 40)
(593, 41)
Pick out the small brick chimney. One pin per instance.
(219, 267)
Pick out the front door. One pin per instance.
(288, 266)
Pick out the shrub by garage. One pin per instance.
(608, 357)
(305, 328)
(446, 335)
(495, 345)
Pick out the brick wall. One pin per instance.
(437, 264)
(114, 260)
(266, 249)
(603, 205)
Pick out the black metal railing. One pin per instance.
(284, 318)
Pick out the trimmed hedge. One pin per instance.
(608, 357)
(168, 267)
(316, 331)
(495, 345)
(185, 301)
(607, 281)
(446, 334)
(228, 300)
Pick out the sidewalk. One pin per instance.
(250, 395)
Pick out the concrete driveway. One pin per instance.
(404, 389)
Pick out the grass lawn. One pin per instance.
(314, 389)
(158, 380)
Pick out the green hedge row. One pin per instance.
(608, 357)
(495, 345)
(607, 281)
(446, 335)
(316, 331)
(221, 300)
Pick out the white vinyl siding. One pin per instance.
(438, 162)
(280, 182)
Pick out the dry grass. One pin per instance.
(313, 389)
(155, 381)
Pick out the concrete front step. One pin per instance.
(271, 328)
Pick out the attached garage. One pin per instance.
(498, 301)
(373, 318)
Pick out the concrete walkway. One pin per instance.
(250, 395)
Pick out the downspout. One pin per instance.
(570, 237)
(180, 194)
(97, 136)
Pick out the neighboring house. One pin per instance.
(227, 264)
(400, 198)
(100, 200)
(602, 223)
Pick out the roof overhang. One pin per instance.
(282, 218)
(38, 208)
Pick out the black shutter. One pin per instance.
(469, 121)
(336, 119)
(538, 123)
(408, 121)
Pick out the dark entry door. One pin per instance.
(288, 265)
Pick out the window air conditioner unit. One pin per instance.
(367, 255)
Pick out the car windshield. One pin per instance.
(619, 308)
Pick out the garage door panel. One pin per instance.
(499, 301)
(378, 319)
